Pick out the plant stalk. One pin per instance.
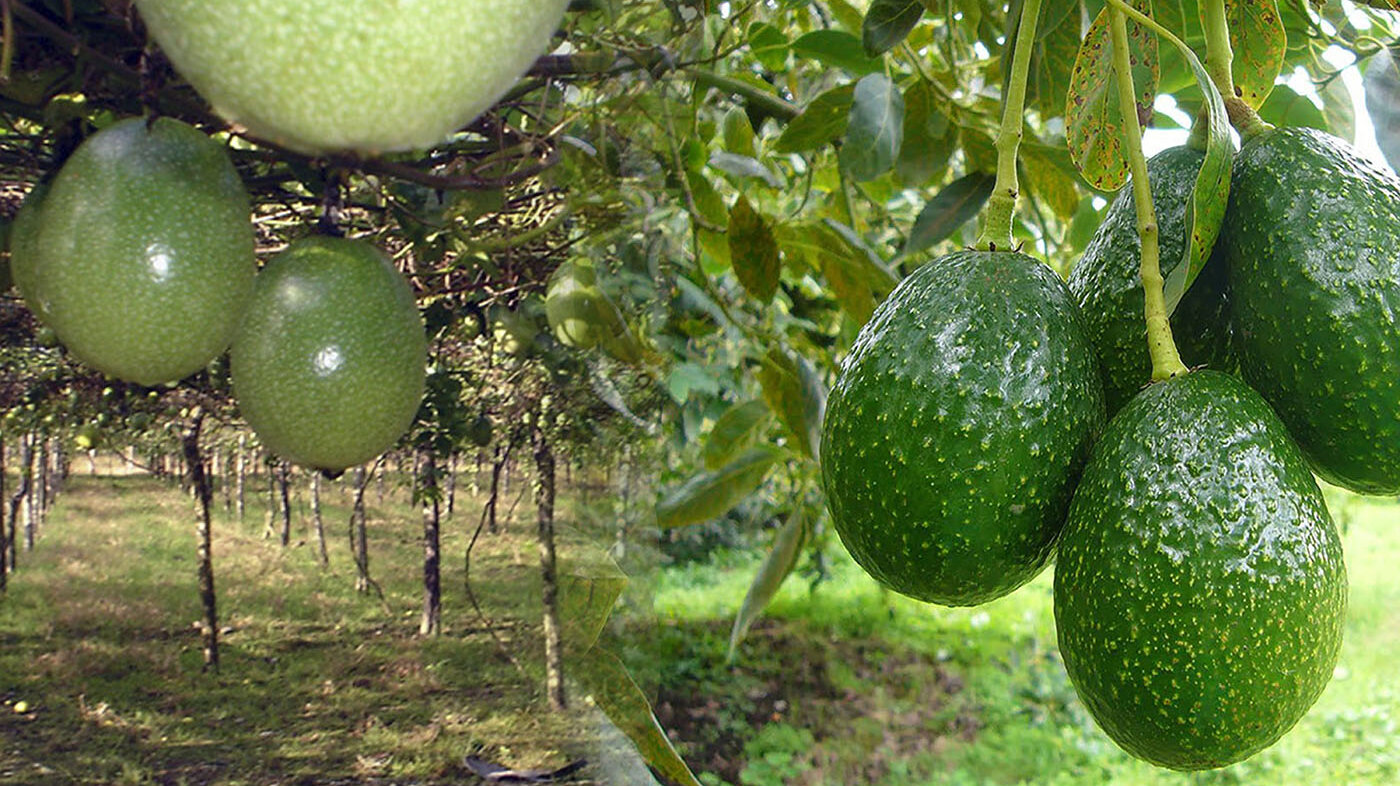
(1220, 58)
(1001, 207)
(1166, 362)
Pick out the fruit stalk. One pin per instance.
(996, 228)
(1166, 362)
(1220, 59)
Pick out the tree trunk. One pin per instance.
(39, 492)
(451, 483)
(379, 479)
(497, 465)
(199, 481)
(359, 539)
(241, 472)
(316, 519)
(284, 480)
(4, 539)
(553, 648)
(33, 480)
(21, 494)
(271, 499)
(431, 624)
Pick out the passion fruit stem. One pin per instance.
(1166, 362)
(996, 226)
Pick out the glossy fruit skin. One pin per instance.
(352, 75)
(1311, 243)
(144, 254)
(1199, 587)
(958, 426)
(328, 366)
(1107, 284)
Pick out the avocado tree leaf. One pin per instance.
(822, 122)
(1285, 107)
(589, 586)
(1339, 109)
(1259, 43)
(711, 494)
(1206, 208)
(781, 559)
(876, 128)
(795, 392)
(736, 429)
(617, 695)
(769, 46)
(837, 49)
(737, 133)
(1382, 86)
(1093, 120)
(1047, 180)
(753, 251)
(872, 268)
(959, 201)
(888, 22)
(929, 137)
(1052, 62)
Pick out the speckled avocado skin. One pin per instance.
(958, 426)
(1108, 287)
(1311, 243)
(328, 363)
(1199, 587)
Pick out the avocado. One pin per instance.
(1199, 586)
(1107, 284)
(958, 426)
(1311, 242)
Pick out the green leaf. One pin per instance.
(753, 251)
(822, 122)
(1206, 209)
(1284, 107)
(711, 494)
(876, 129)
(589, 585)
(688, 377)
(950, 209)
(1339, 109)
(769, 46)
(887, 23)
(1047, 180)
(1259, 43)
(836, 49)
(738, 133)
(737, 429)
(617, 695)
(744, 167)
(870, 266)
(929, 137)
(787, 546)
(1052, 62)
(1093, 120)
(1382, 85)
(795, 392)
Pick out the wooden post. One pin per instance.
(431, 623)
(553, 646)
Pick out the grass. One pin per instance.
(851, 684)
(100, 659)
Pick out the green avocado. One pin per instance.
(1199, 587)
(1311, 242)
(958, 426)
(1108, 285)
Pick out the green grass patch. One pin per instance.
(101, 676)
(891, 691)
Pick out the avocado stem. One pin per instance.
(1001, 207)
(1166, 362)
(1220, 57)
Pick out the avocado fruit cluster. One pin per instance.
(1311, 246)
(1199, 585)
(958, 426)
(139, 255)
(1107, 284)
